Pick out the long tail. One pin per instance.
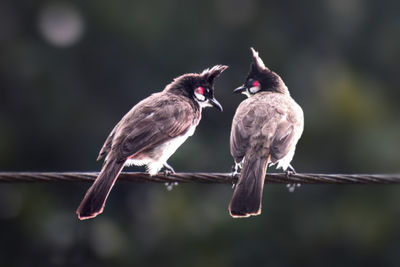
(95, 198)
(247, 196)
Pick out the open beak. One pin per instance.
(239, 89)
(215, 103)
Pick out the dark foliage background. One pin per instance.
(69, 70)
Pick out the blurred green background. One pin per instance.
(69, 70)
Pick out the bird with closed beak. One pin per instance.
(151, 132)
(265, 131)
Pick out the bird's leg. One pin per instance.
(289, 171)
(235, 171)
(167, 171)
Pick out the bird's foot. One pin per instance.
(235, 172)
(289, 171)
(168, 169)
(235, 169)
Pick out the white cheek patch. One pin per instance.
(254, 89)
(199, 97)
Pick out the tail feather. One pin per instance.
(95, 198)
(247, 196)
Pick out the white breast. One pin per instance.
(161, 154)
(169, 148)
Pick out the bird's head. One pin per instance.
(198, 86)
(261, 78)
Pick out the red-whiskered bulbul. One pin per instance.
(265, 131)
(151, 132)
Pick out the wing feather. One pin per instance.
(282, 141)
(155, 120)
(241, 131)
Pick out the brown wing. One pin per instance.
(289, 129)
(107, 144)
(282, 141)
(242, 126)
(155, 120)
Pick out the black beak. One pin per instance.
(239, 89)
(215, 103)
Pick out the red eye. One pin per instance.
(256, 84)
(200, 90)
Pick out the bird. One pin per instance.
(151, 132)
(265, 130)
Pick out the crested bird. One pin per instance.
(151, 132)
(265, 130)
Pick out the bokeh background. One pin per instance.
(69, 70)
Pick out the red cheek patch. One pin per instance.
(200, 90)
(256, 83)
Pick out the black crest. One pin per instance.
(209, 75)
(185, 83)
(257, 65)
(270, 81)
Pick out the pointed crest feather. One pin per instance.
(257, 60)
(213, 73)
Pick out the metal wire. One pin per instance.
(225, 178)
